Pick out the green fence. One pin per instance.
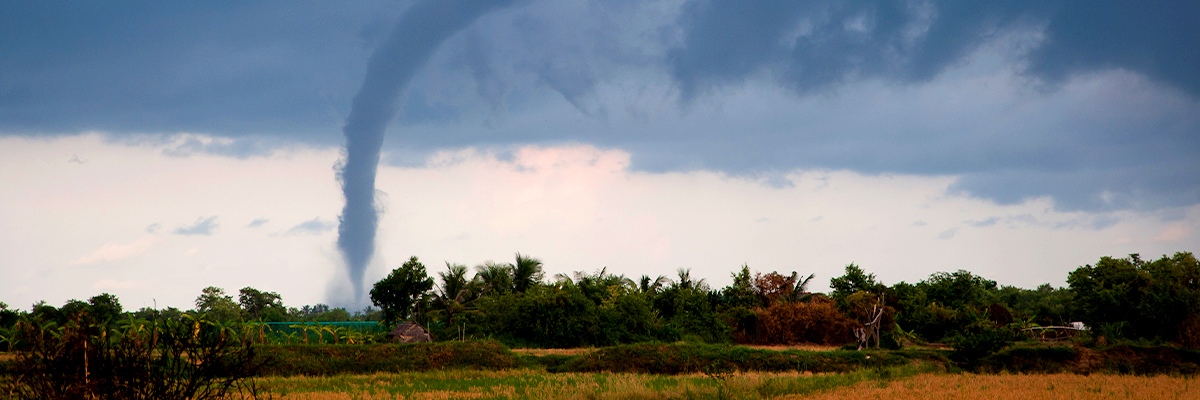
(323, 332)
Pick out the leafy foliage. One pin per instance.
(398, 293)
(1132, 298)
(1121, 299)
(160, 359)
(217, 305)
(260, 305)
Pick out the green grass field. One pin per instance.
(912, 382)
(488, 370)
(538, 384)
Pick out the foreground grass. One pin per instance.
(1005, 386)
(910, 382)
(537, 384)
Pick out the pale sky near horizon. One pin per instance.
(153, 228)
(151, 150)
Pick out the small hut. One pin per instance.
(410, 332)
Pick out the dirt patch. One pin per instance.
(1086, 360)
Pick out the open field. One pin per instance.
(910, 382)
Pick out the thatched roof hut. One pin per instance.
(410, 332)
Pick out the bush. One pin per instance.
(365, 359)
(978, 343)
(145, 360)
(816, 322)
(1030, 360)
(694, 358)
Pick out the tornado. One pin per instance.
(418, 33)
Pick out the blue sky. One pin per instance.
(1088, 110)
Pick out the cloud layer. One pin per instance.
(1092, 104)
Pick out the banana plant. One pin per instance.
(329, 329)
(343, 331)
(316, 328)
(903, 335)
(1024, 323)
(291, 336)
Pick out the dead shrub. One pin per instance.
(818, 321)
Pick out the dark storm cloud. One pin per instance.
(814, 44)
(276, 72)
(220, 67)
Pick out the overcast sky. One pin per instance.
(152, 149)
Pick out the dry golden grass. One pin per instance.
(1004, 386)
(798, 346)
(556, 352)
(7, 356)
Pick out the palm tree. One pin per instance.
(645, 285)
(800, 293)
(454, 280)
(495, 278)
(455, 292)
(527, 272)
(685, 281)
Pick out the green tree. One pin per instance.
(217, 305)
(854, 280)
(105, 307)
(960, 289)
(688, 309)
(1045, 305)
(646, 285)
(72, 308)
(7, 317)
(527, 272)
(332, 315)
(46, 312)
(401, 290)
(453, 293)
(261, 305)
(686, 282)
(494, 278)
(1129, 297)
(741, 292)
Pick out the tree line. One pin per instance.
(1119, 299)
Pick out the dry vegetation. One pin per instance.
(798, 346)
(555, 352)
(1005, 386)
